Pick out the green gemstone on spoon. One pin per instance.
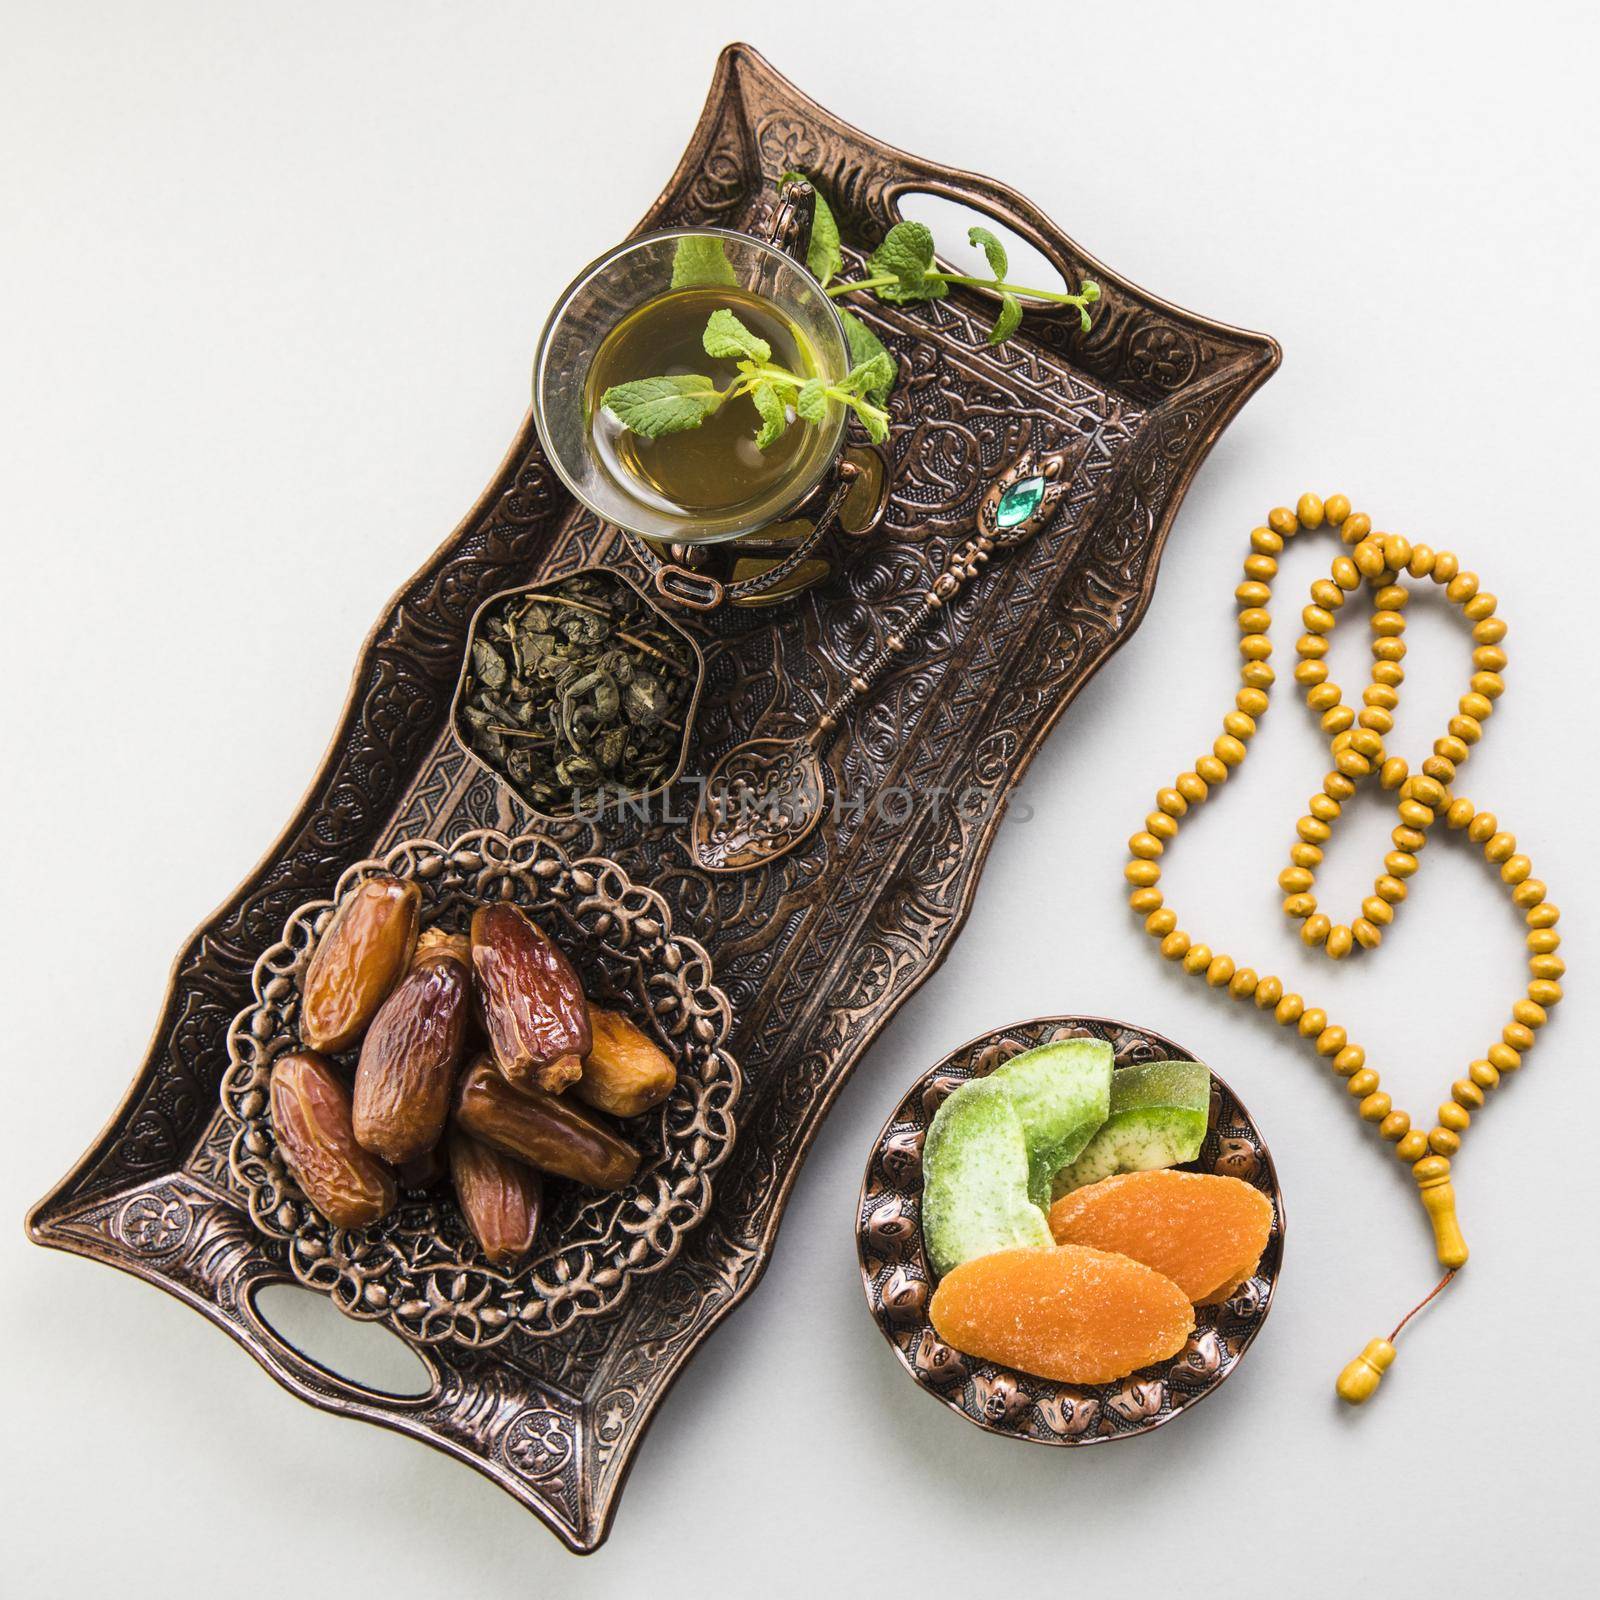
(1019, 502)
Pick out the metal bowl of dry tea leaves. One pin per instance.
(577, 690)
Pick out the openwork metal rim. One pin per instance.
(419, 1269)
(1018, 1405)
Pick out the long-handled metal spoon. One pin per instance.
(766, 796)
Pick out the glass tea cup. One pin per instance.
(607, 293)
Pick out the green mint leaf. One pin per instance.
(699, 261)
(811, 404)
(873, 420)
(906, 255)
(1083, 319)
(1006, 323)
(864, 345)
(1090, 290)
(728, 338)
(824, 258)
(774, 416)
(993, 249)
(872, 376)
(654, 406)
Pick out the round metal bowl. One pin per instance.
(1018, 1405)
(419, 1269)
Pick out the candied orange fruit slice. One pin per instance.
(1204, 1232)
(1072, 1314)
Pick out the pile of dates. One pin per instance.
(523, 1106)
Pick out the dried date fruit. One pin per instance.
(424, 1171)
(625, 1071)
(360, 957)
(311, 1118)
(542, 1129)
(530, 1001)
(412, 1050)
(500, 1197)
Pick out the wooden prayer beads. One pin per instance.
(1356, 743)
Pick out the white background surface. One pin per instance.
(272, 281)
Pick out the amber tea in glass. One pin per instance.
(630, 316)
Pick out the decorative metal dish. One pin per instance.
(816, 950)
(419, 1269)
(1018, 1405)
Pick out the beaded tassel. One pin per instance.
(1357, 745)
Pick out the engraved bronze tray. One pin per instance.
(1018, 1405)
(815, 950)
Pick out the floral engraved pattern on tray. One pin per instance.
(419, 1269)
(898, 1283)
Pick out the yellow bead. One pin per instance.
(1408, 839)
(1238, 725)
(1310, 510)
(1501, 847)
(1414, 814)
(1171, 802)
(1412, 1145)
(1528, 894)
(1375, 1107)
(1145, 845)
(1191, 788)
(1388, 624)
(1345, 573)
(1400, 864)
(1220, 971)
(1530, 1014)
(1390, 888)
(1353, 765)
(1378, 720)
(1459, 813)
(1362, 1084)
(1477, 706)
(1543, 915)
(1467, 729)
(1289, 1009)
(1312, 1021)
(1310, 674)
(1390, 650)
(1243, 983)
(1254, 619)
(1518, 1035)
(1551, 967)
(1395, 1126)
(1445, 567)
(1421, 562)
(1349, 1060)
(1282, 521)
(1312, 831)
(1356, 527)
(1489, 684)
(1261, 567)
(1327, 594)
(1330, 1041)
(1393, 772)
(1452, 748)
(1483, 1075)
(1323, 807)
(1335, 508)
(1481, 605)
(1323, 697)
(1175, 944)
(1316, 620)
(1305, 854)
(1340, 939)
(1143, 900)
(1504, 1057)
(1142, 873)
(1489, 632)
(1160, 923)
(1161, 825)
(1295, 880)
(1482, 827)
(1265, 542)
(1252, 594)
(1299, 905)
(1368, 936)
(1466, 1093)
(1461, 588)
(1515, 869)
(1269, 991)
(1211, 771)
(1376, 909)
(1252, 702)
(1489, 658)
(1454, 1117)
(1198, 958)
(1388, 674)
(1337, 786)
(1542, 941)
(1443, 1142)
(1369, 558)
(1255, 647)
(1228, 750)
(1315, 929)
